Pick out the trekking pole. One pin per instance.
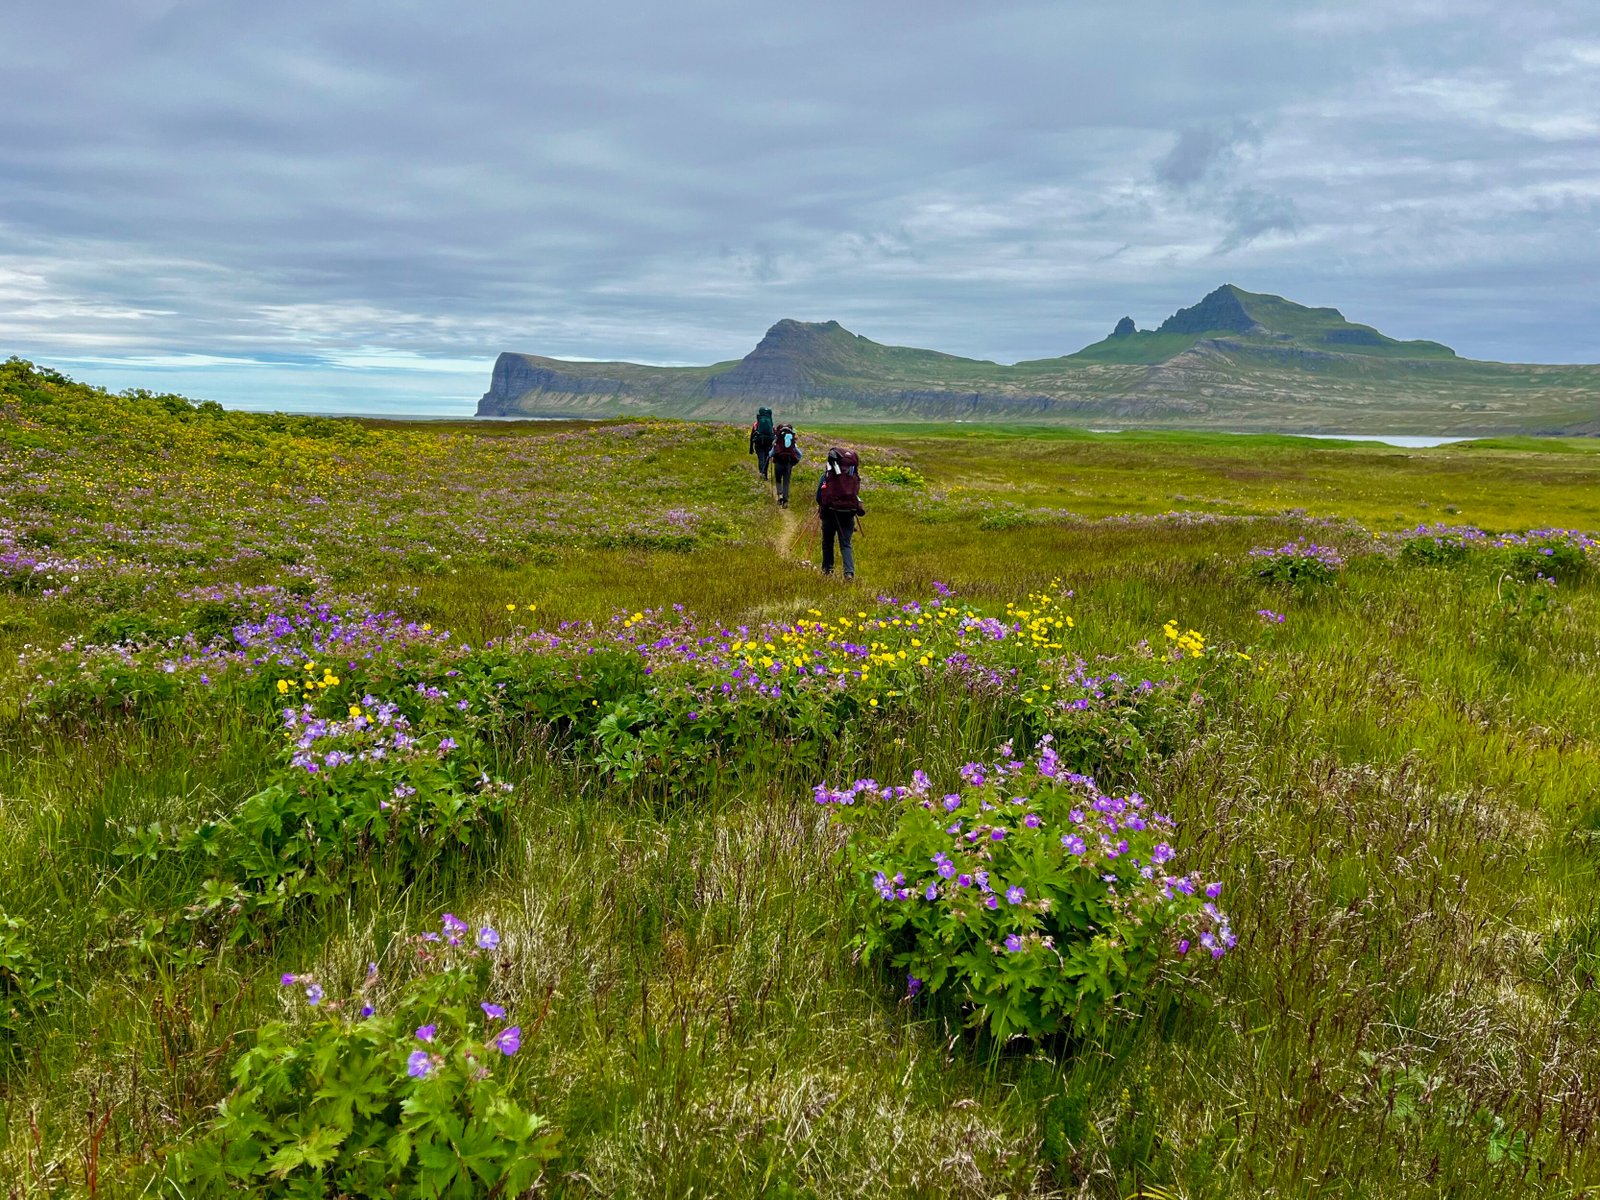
(811, 536)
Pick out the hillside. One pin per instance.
(1235, 360)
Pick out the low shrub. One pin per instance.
(372, 790)
(1297, 564)
(402, 1093)
(1444, 550)
(1549, 557)
(898, 474)
(1040, 903)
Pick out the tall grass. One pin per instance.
(1399, 789)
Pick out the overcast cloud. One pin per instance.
(356, 205)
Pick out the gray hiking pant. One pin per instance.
(842, 525)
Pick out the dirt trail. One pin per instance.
(796, 533)
(788, 530)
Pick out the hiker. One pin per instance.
(839, 504)
(785, 453)
(761, 438)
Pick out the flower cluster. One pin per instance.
(1549, 551)
(1190, 642)
(1037, 896)
(1298, 562)
(413, 1068)
(369, 787)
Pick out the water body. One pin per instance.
(1410, 441)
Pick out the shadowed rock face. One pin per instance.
(515, 375)
(783, 365)
(1221, 311)
(1125, 328)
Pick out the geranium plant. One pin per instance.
(1035, 899)
(402, 1092)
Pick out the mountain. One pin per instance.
(1235, 360)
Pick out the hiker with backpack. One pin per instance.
(785, 454)
(761, 438)
(839, 504)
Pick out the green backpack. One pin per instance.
(764, 423)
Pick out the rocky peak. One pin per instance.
(784, 363)
(1222, 310)
(1125, 328)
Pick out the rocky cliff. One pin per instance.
(518, 375)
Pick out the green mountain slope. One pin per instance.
(1235, 360)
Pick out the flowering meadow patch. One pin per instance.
(1029, 894)
(654, 692)
(1296, 563)
(1553, 553)
(392, 1091)
(201, 494)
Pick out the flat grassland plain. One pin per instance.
(1384, 745)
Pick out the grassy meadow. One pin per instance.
(1390, 763)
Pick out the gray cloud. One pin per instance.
(1252, 214)
(1205, 167)
(381, 183)
(1201, 155)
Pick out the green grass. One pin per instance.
(1142, 347)
(1399, 793)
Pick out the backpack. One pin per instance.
(764, 424)
(841, 484)
(787, 448)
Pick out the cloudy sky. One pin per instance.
(349, 205)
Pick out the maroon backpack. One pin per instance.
(841, 485)
(785, 446)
